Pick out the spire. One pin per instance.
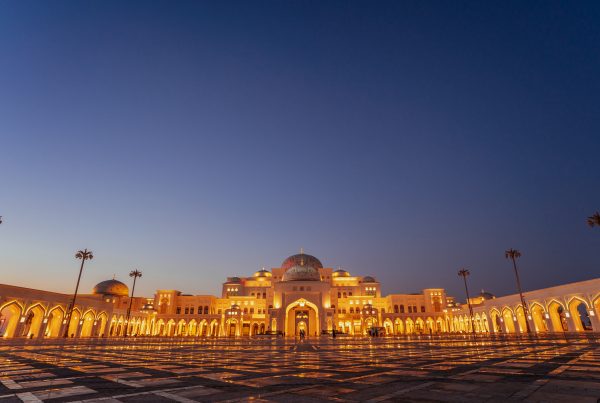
(301, 256)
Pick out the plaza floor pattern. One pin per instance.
(449, 368)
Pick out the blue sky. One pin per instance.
(402, 140)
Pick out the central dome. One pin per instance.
(301, 259)
(301, 273)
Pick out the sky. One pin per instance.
(199, 140)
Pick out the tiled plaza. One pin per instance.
(449, 368)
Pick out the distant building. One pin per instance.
(300, 295)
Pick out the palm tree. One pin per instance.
(464, 273)
(83, 255)
(0, 219)
(135, 274)
(592, 221)
(513, 255)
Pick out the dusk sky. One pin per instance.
(195, 141)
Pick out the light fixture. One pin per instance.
(592, 313)
(567, 314)
(547, 315)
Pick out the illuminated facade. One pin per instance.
(299, 295)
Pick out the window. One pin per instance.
(382, 310)
(409, 309)
(351, 310)
(178, 312)
(339, 295)
(187, 310)
(252, 294)
(264, 295)
(422, 308)
(191, 310)
(350, 293)
(414, 308)
(401, 308)
(345, 295)
(206, 310)
(219, 312)
(245, 310)
(270, 306)
(199, 310)
(395, 308)
(251, 310)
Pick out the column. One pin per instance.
(595, 320)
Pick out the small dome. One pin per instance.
(236, 280)
(301, 259)
(486, 295)
(263, 273)
(368, 279)
(111, 287)
(340, 273)
(302, 273)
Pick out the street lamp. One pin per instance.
(513, 255)
(464, 273)
(83, 255)
(135, 274)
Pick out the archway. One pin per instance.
(10, 314)
(558, 317)
(214, 328)
(496, 322)
(34, 317)
(410, 326)
(579, 312)
(419, 325)
(439, 325)
(389, 327)
(399, 326)
(254, 329)
(521, 319)
(485, 326)
(537, 314)
(88, 324)
(302, 315)
(507, 317)
(170, 328)
(192, 328)
(74, 322)
(55, 318)
(101, 327)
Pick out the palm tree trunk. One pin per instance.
(469, 304)
(525, 310)
(70, 311)
(129, 309)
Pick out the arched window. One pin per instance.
(245, 310)
(206, 310)
(251, 310)
(401, 308)
(351, 310)
(395, 308)
(344, 295)
(422, 308)
(264, 295)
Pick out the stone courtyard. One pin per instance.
(445, 368)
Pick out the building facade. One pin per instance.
(300, 295)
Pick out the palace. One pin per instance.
(301, 295)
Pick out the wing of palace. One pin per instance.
(300, 296)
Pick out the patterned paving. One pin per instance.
(451, 368)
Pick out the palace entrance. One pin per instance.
(302, 315)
